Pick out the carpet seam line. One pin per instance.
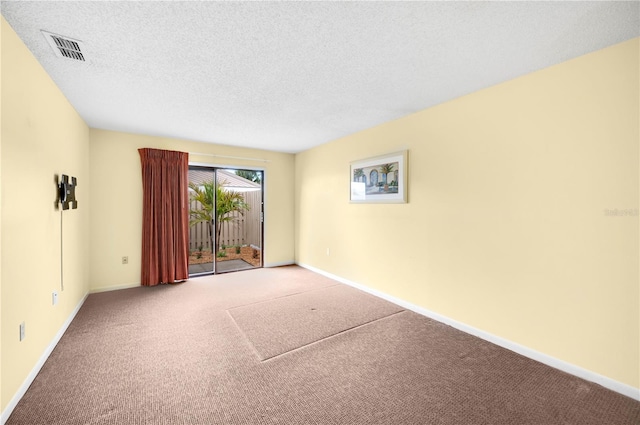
(331, 336)
(285, 296)
(246, 338)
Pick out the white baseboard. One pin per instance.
(280, 264)
(136, 285)
(36, 369)
(113, 288)
(572, 369)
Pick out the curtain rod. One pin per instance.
(229, 157)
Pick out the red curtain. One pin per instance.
(165, 216)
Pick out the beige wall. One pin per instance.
(42, 136)
(508, 227)
(116, 201)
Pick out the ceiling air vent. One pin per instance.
(65, 47)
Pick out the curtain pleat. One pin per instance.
(165, 212)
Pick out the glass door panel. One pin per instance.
(239, 220)
(228, 237)
(201, 220)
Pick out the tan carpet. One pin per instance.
(174, 355)
(283, 324)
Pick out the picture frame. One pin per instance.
(381, 179)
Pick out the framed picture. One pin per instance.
(380, 179)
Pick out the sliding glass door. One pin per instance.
(226, 226)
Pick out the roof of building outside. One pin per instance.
(227, 179)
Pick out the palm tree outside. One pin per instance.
(228, 202)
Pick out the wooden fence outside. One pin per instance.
(244, 229)
(253, 222)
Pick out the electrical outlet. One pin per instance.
(22, 331)
(328, 252)
(125, 260)
(54, 297)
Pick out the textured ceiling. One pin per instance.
(286, 76)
